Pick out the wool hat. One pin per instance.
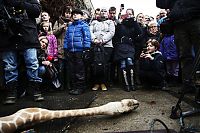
(77, 11)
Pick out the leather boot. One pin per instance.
(35, 88)
(12, 93)
(132, 84)
(126, 85)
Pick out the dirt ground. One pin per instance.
(154, 104)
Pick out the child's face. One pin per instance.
(45, 27)
(150, 48)
(43, 43)
(77, 16)
(45, 16)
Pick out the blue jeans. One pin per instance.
(126, 62)
(11, 65)
(41, 70)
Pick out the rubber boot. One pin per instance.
(12, 93)
(35, 88)
(125, 80)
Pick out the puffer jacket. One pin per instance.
(184, 10)
(168, 48)
(25, 32)
(103, 30)
(78, 37)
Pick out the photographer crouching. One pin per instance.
(18, 34)
(185, 15)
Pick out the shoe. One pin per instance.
(76, 92)
(38, 97)
(132, 88)
(10, 100)
(96, 87)
(103, 87)
(127, 88)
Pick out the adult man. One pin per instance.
(20, 36)
(186, 17)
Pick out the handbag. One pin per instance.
(52, 73)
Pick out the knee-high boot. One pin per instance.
(132, 82)
(125, 80)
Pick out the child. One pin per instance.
(169, 52)
(77, 41)
(52, 48)
(152, 70)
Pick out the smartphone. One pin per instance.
(122, 6)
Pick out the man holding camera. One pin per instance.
(185, 15)
(20, 36)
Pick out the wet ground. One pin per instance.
(154, 104)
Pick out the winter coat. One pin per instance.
(155, 66)
(168, 48)
(128, 33)
(52, 48)
(24, 34)
(103, 30)
(78, 37)
(60, 32)
(183, 10)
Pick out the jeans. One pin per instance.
(126, 62)
(41, 71)
(11, 65)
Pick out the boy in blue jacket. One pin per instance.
(77, 41)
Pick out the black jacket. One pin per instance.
(184, 10)
(21, 35)
(127, 34)
(155, 66)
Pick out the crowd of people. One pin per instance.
(90, 51)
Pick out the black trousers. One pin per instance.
(77, 70)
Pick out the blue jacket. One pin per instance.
(168, 48)
(78, 37)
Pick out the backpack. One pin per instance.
(98, 60)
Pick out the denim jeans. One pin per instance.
(41, 71)
(11, 65)
(126, 62)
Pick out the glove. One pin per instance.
(86, 54)
(13, 3)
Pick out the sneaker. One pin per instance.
(103, 87)
(38, 97)
(96, 87)
(10, 100)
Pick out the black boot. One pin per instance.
(35, 88)
(125, 80)
(197, 97)
(132, 83)
(12, 93)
